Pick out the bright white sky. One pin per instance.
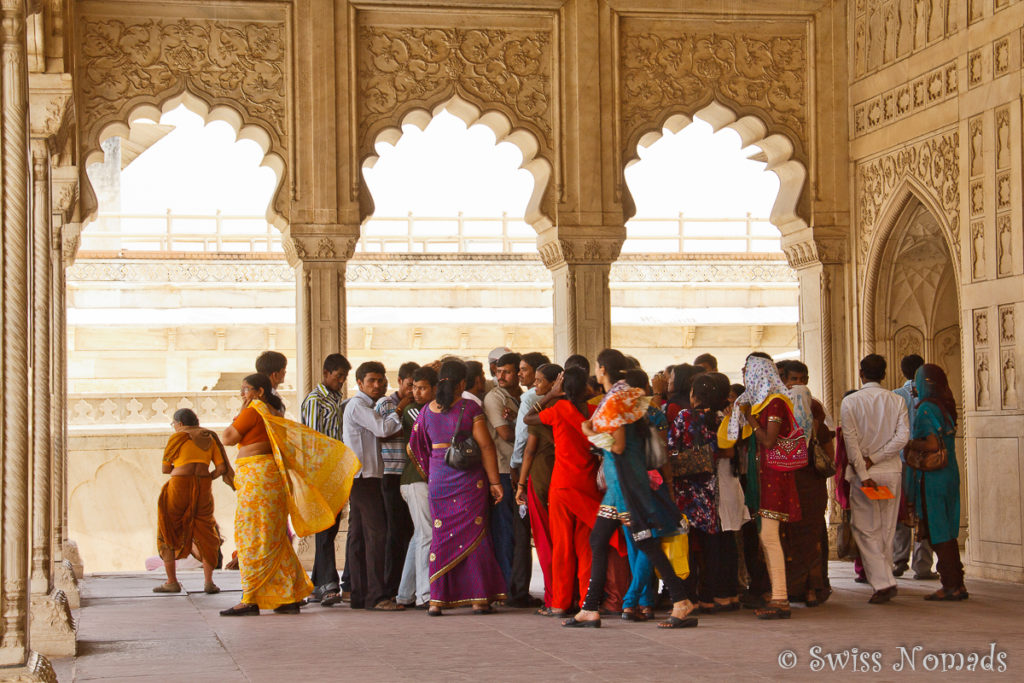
(201, 169)
(442, 170)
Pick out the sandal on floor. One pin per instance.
(647, 613)
(241, 611)
(330, 598)
(942, 596)
(435, 612)
(551, 612)
(388, 606)
(774, 609)
(573, 622)
(632, 614)
(676, 622)
(211, 589)
(289, 608)
(168, 588)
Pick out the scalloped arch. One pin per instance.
(895, 215)
(499, 124)
(776, 152)
(209, 114)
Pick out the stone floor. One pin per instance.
(128, 633)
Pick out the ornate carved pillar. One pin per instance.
(41, 319)
(582, 299)
(52, 626)
(320, 259)
(14, 616)
(821, 268)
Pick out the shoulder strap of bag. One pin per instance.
(458, 422)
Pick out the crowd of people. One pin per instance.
(614, 478)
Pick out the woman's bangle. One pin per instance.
(495, 483)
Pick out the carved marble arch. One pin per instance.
(152, 112)
(526, 142)
(775, 151)
(911, 277)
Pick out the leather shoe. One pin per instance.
(289, 608)
(884, 595)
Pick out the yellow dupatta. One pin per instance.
(723, 429)
(317, 471)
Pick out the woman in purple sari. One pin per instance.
(463, 569)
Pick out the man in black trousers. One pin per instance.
(322, 410)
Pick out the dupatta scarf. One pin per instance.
(317, 471)
(622, 405)
(763, 385)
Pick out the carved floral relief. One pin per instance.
(661, 70)
(933, 163)
(241, 62)
(401, 67)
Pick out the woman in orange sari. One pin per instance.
(185, 524)
(284, 469)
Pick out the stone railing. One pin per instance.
(107, 411)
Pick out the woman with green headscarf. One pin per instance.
(935, 494)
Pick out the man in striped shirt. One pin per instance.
(392, 451)
(322, 410)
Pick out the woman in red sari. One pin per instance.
(765, 410)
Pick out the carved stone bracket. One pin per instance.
(36, 670)
(318, 246)
(53, 628)
(64, 580)
(580, 250)
(814, 251)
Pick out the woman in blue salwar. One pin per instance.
(935, 495)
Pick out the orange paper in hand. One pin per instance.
(880, 493)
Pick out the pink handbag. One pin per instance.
(788, 453)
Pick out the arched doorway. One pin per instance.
(916, 308)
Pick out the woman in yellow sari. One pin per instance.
(284, 469)
(185, 524)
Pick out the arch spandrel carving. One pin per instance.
(408, 62)
(234, 69)
(671, 68)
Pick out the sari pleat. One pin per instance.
(185, 523)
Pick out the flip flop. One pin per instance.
(572, 622)
(676, 622)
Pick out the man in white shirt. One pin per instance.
(367, 523)
(875, 429)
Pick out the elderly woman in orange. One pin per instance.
(185, 524)
(284, 469)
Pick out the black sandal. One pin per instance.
(676, 622)
(631, 614)
(244, 611)
(573, 622)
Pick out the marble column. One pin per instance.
(582, 306)
(16, 656)
(320, 261)
(41, 419)
(65, 576)
(52, 627)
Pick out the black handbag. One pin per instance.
(462, 454)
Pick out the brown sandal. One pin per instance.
(774, 609)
